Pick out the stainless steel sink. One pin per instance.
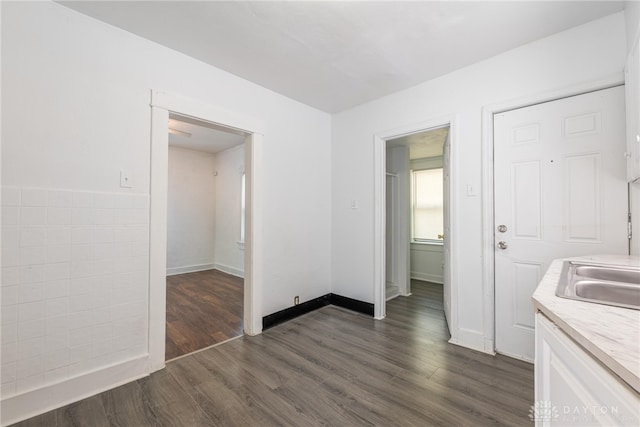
(602, 284)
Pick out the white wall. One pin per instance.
(632, 18)
(75, 111)
(427, 262)
(191, 211)
(583, 54)
(229, 254)
(397, 159)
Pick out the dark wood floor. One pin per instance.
(330, 367)
(203, 309)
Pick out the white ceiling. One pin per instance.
(334, 55)
(423, 145)
(201, 136)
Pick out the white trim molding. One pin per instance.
(379, 164)
(488, 111)
(172, 271)
(40, 400)
(162, 104)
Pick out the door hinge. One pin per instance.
(629, 227)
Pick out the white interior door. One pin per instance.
(446, 247)
(560, 191)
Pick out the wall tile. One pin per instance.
(10, 237)
(102, 216)
(57, 325)
(9, 257)
(30, 274)
(9, 353)
(82, 199)
(102, 251)
(104, 200)
(9, 276)
(60, 198)
(58, 236)
(9, 295)
(34, 197)
(9, 314)
(10, 196)
(31, 311)
(30, 348)
(81, 235)
(9, 372)
(31, 329)
(81, 216)
(29, 367)
(33, 236)
(58, 254)
(59, 216)
(57, 271)
(80, 285)
(29, 255)
(30, 292)
(33, 216)
(74, 282)
(56, 375)
(10, 216)
(56, 342)
(57, 307)
(56, 288)
(57, 359)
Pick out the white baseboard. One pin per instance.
(189, 269)
(44, 399)
(229, 270)
(433, 278)
(470, 339)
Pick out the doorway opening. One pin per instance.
(205, 235)
(413, 214)
(162, 106)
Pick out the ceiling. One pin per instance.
(193, 134)
(423, 145)
(334, 55)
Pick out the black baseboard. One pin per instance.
(298, 310)
(352, 304)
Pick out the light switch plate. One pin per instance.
(125, 179)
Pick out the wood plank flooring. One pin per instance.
(330, 367)
(203, 309)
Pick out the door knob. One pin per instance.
(502, 228)
(502, 245)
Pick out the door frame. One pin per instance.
(488, 247)
(379, 208)
(162, 104)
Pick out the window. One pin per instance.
(427, 205)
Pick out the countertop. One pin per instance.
(610, 334)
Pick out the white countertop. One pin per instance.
(610, 334)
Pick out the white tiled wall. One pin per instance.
(74, 283)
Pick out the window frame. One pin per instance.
(418, 165)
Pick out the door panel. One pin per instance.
(560, 190)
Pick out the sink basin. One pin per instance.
(602, 284)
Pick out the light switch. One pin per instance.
(125, 179)
(471, 190)
(354, 204)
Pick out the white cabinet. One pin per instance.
(573, 389)
(632, 92)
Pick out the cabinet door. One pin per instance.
(573, 389)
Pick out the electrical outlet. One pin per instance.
(125, 179)
(296, 300)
